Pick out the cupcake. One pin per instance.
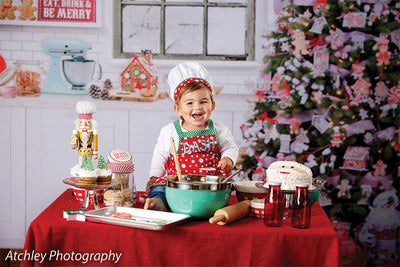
(103, 172)
(86, 173)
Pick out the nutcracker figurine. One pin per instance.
(84, 136)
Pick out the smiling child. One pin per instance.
(201, 143)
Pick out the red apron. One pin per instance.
(197, 149)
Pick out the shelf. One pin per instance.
(224, 102)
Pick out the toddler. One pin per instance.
(201, 143)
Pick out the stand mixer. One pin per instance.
(77, 70)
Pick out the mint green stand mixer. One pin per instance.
(68, 76)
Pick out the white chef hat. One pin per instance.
(185, 73)
(85, 109)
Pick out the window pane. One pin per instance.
(226, 31)
(141, 29)
(183, 30)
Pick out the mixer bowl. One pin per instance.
(78, 72)
(198, 195)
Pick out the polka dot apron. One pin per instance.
(196, 150)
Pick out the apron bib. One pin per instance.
(196, 150)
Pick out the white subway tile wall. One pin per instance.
(25, 43)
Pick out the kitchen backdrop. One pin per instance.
(35, 154)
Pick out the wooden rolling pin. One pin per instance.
(231, 213)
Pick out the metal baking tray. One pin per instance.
(143, 219)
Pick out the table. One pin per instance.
(246, 242)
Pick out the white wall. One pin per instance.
(24, 43)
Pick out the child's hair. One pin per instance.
(191, 87)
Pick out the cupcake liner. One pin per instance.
(104, 180)
(87, 180)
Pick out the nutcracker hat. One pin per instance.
(85, 109)
(185, 73)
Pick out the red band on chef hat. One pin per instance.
(186, 82)
(86, 116)
(185, 73)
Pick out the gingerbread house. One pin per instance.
(139, 74)
(355, 158)
(361, 90)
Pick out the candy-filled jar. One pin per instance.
(29, 78)
(124, 193)
(301, 215)
(273, 206)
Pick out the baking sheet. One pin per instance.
(144, 219)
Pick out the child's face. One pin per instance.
(195, 108)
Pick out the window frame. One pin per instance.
(249, 35)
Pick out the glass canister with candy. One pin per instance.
(120, 163)
(29, 77)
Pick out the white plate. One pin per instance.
(141, 218)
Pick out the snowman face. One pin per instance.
(289, 168)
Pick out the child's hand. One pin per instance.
(225, 165)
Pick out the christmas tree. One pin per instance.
(87, 163)
(101, 163)
(328, 97)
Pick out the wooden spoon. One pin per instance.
(177, 166)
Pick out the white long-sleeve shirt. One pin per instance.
(162, 149)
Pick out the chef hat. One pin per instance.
(185, 73)
(85, 109)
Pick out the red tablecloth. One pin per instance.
(246, 242)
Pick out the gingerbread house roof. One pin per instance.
(363, 83)
(356, 153)
(148, 66)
